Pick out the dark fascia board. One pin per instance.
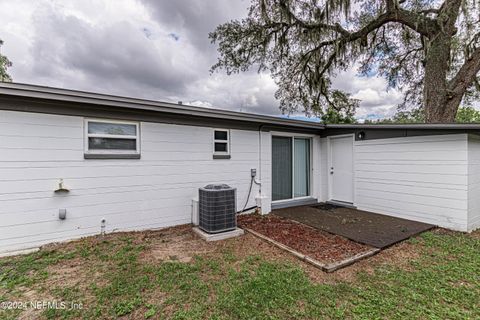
(27, 91)
(380, 133)
(412, 126)
(36, 105)
(113, 105)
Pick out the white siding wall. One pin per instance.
(473, 182)
(435, 179)
(36, 150)
(421, 178)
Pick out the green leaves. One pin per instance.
(294, 41)
(467, 115)
(4, 65)
(304, 43)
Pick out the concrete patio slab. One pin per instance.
(369, 228)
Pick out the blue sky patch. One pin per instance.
(147, 32)
(174, 36)
(303, 118)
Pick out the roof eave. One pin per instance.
(430, 126)
(64, 95)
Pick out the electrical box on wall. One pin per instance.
(62, 214)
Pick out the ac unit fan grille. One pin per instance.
(217, 208)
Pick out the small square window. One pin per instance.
(221, 147)
(109, 139)
(221, 135)
(221, 143)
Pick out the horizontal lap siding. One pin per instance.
(418, 178)
(473, 182)
(36, 150)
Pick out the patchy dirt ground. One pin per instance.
(174, 244)
(320, 245)
(182, 244)
(88, 269)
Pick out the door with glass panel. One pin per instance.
(290, 167)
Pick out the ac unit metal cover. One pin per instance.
(217, 208)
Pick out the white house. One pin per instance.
(74, 164)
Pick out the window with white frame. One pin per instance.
(221, 142)
(110, 137)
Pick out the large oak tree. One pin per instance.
(429, 49)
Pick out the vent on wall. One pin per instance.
(217, 208)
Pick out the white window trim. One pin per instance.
(112, 152)
(226, 153)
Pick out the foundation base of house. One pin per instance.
(18, 252)
(218, 236)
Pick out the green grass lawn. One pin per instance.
(442, 281)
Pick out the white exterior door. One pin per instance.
(341, 169)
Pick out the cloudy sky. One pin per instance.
(155, 49)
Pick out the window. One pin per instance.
(221, 144)
(109, 139)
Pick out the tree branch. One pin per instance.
(414, 20)
(405, 56)
(393, 14)
(466, 76)
(423, 25)
(428, 11)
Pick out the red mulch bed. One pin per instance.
(317, 244)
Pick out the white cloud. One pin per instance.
(146, 48)
(375, 100)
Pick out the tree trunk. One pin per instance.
(438, 103)
(435, 82)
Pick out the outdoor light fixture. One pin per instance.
(361, 135)
(61, 188)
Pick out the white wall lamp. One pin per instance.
(61, 188)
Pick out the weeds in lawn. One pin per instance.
(443, 282)
(28, 269)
